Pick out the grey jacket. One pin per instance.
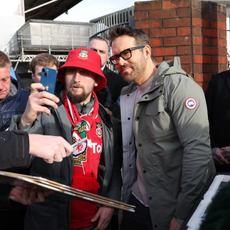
(173, 143)
(54, 213)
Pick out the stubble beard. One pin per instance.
(137, 71)
(77, 98)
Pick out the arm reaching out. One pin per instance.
(50, 148)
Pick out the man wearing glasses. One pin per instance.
(166, 151)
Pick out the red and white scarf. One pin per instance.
(87, 134)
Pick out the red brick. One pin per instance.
(186, 59)
(181, 50)
(164, 51)
(175, 4)
(198, 77)
(219, 59)
(223, 51)
(202, 77)
(222, 34)
(183, 13)
(210, 33)
(159, 59)
(157, 52)
(223, 67)
(206, 6)
(178, 22)
(202, 68)
(197, 41)
(146, 31)
(163, 32)
(196, 13)
(197, 50)
(166, 58)
(202, 59)
(206, 41)
(198, 68)
(219, 42)
(200, 22)
(196, 4)
(156, 42)
(221, 8)
(187, 68)
(177, 41)
(222, 17)
(183, 31)
(196, 31)
(210, 50)
(141, 15)
(209, 15)
(201, 84)
(210, 68)
(148, 24)
(139, 6)
(156, 14)
(218, 25)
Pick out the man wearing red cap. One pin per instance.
(95, 165)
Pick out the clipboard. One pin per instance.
(59, 189)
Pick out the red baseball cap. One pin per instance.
(86, 59)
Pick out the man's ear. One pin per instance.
(147, 50)
(97, 80)
(33, 77)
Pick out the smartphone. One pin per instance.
(49, 78)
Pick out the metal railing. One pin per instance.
(121, 17)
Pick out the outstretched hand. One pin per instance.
(50, 148)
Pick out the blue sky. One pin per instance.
(87, 10)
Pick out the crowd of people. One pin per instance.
(148, 131)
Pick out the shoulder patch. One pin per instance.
(190, 103)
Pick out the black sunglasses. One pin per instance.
(125, 54)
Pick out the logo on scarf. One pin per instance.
(80, 149)
(83, 54)
(98, 129)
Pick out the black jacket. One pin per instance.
(115, 82)
(14, 151)
(218, 104)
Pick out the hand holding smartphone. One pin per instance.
(49, 79)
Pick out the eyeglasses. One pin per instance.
(125, 54)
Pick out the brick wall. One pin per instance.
(191, 29)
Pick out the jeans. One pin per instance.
(140, 219)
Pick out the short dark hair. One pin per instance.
(4, 60)
(96, 37)
(43, 59)
(141, 38)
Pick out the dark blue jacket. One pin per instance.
(12, 105)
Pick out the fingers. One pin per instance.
(35, 87)
(50, 148)
(218, 156)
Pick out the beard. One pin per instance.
(77, 98)
(138, 69)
